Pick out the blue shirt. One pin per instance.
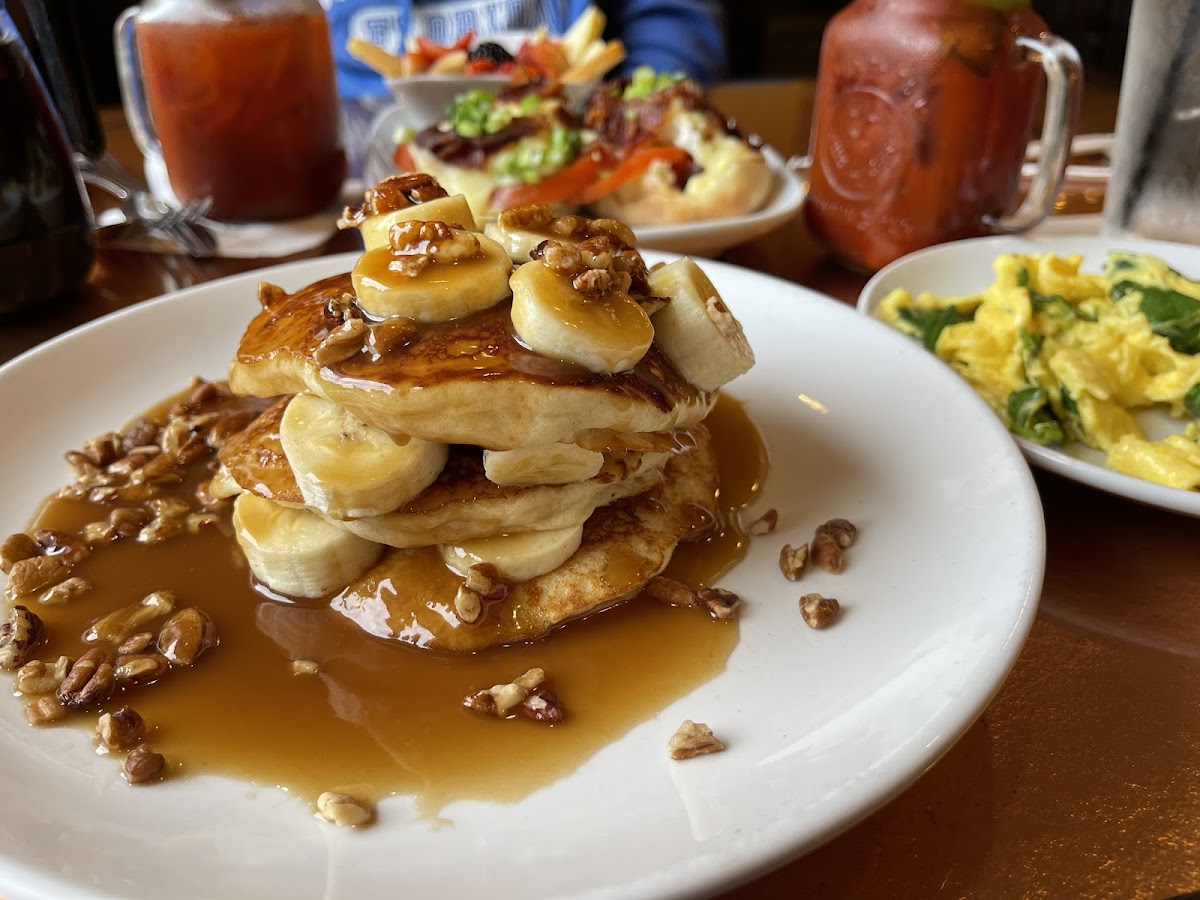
(669, 35)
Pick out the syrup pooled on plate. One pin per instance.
(382, 716)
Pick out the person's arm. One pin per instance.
(670, 35)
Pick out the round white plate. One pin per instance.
(822, 726)
(705, 238)
(965, 267)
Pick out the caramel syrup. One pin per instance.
(382, 716)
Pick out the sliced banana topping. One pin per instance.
(431, 272)
(295, 552)
(519, 556)
(520, 229)
(347, 469)
(399, 198)
(695, 330)
(451, 210)
(557, 463)
(572, 304)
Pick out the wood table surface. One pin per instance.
(1082, 778)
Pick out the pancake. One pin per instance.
(467, 381)
(409, 595)
(461, 503)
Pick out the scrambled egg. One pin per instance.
(1064, 356)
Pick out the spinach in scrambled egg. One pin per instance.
(1066, 356)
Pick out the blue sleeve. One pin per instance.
(670, 35)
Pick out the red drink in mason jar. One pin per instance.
(242, 104)
(924, 110)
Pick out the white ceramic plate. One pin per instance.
(707, 238)
(822, 726)
(965, 267)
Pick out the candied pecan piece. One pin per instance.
(818, 611)
(826, 553)
(693, 739)
(89, 681)
(20, 631)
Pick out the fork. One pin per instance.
(182, 225)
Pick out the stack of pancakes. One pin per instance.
(476, 438)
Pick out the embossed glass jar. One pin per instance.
(924, 110)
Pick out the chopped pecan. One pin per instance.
(89, 681)
(37, 573)
(227, 425)
(344, 809)
(43, 711)
(103, 449)
(792, 561)
(140, 668)
(390, 335)
(39, 677)
(64, 591)
(121, 730)
(393, 193)
(818, 611)
(162, 469)
(826, 553)
(17, 547)
(139, 433)
(669, 591)
(137, 643)
(416, 244)
(60, 543)
(159, 530)
(542, 707)
(482, 585)
(126, 521)
(765, 523)
(202, 521)
(341, 343)
(19, 633)
(304, 667)
(841, 530)
(143, 765)
(693, 739)
(119, 624)
(501, 699)
(720, 603)
(186, 635)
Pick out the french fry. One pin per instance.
(453, 63)
(583, 32)
(386, 64)
(594, 63)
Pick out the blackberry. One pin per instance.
(490, 51)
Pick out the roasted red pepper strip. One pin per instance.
(631, 167)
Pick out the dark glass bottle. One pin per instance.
(45, 229)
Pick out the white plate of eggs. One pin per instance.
(1122, 375)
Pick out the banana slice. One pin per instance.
(519, 556)
(462, 273)
(295, 552)
(548, 464)
(348, 470)
(605, 334)
(520, 229)
(451, 210)
(696, 331)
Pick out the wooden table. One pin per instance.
(1082, 778)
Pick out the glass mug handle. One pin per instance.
(133, 92)
(1064, 83)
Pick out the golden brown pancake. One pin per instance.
(461, 504)
(468, 381)
(409, 595)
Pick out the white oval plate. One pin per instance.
(822, 726)
(965, 267)
(704, 238)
